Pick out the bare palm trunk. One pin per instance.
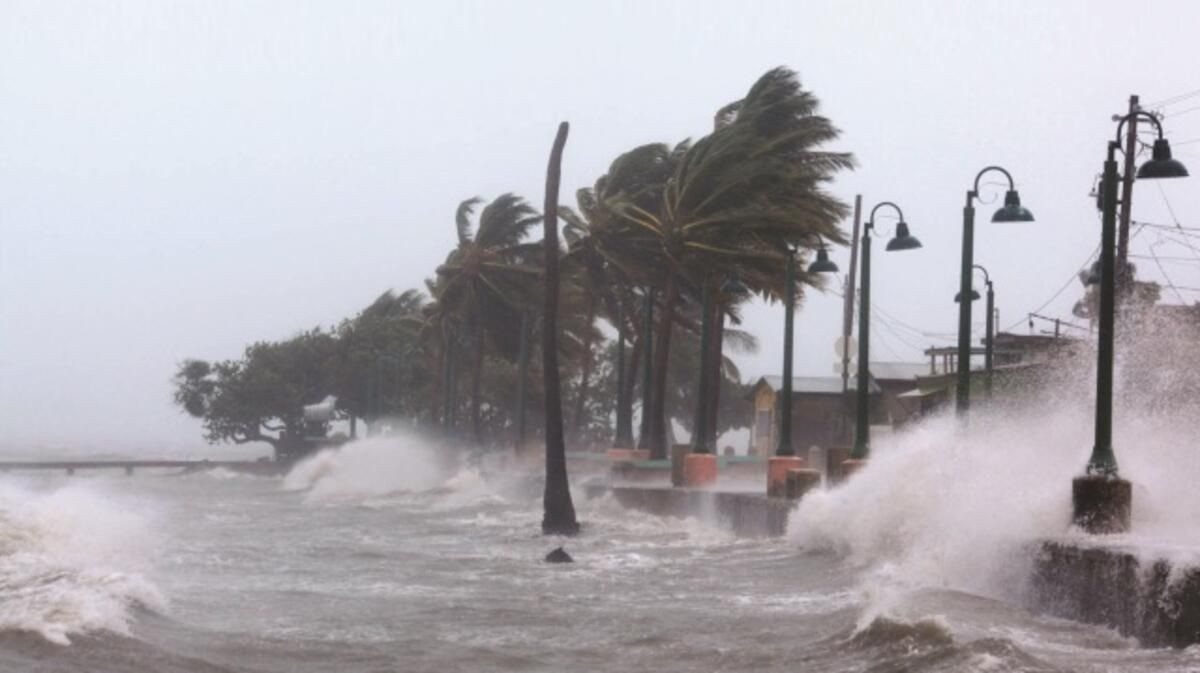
(715, 373)
(558, 516)
(662, 352)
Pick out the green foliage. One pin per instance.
(663, 216)
(248, 399)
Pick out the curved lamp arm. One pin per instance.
(986, 278)
(871, 217)
(1143, 114)
(1011, 185)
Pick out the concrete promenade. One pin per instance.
(254, 467)
(747, 514)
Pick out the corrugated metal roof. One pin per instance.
(823, 385)
(899, 371)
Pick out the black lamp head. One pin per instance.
(733, 285)
(822, 264)
(903, 240)
(958, 295)
(1161, 165)
(1091, 275)
(1012, 211)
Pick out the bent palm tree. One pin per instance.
(736, 200)
(487, 278)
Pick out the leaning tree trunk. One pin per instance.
(631, 372)
(716, 375)
(585, 375)
(558, 511)
(662, 352)
(476, 386)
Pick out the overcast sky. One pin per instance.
(178, 179)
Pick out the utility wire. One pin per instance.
(1071, 279)
(1173, 99)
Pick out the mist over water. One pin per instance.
(396, 553)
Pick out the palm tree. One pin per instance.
(487, 278)
(736, 200)
(601, 261)
(558, 511)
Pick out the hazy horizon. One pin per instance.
(180, 180)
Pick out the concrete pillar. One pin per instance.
(620, 455)
(834, 457)
(1102, 504)
(777, 471)
(699, 469)
(849, 467)
(679, 454)
(801, 481)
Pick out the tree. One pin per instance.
(383, 362)
(260, 397)
(558, 511)
(485, 281)
(735, 201)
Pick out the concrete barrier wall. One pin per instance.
(745, 514)
(1151, 600)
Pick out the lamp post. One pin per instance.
(1102, 500)
(988, 343)
(903, 240)
(785, 457)
(1011, 211)
(821, 265)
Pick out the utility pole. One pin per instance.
(1127, 172)
(848, 316)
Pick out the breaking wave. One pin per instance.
(377, 466)
(71, 562)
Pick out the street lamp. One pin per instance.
(903, 240)
(785, 454)
(1102, 500)
(1011, 211)
(821, 265)
(988, 340)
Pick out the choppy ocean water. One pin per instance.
(381, 559)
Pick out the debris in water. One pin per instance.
(559, 556)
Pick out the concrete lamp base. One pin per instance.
(699, 469)
(851, 466)
(679, 454)
(622, 455)
(777, 471)
(1102, 505)
(800, 482)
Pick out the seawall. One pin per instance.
(1140, 593)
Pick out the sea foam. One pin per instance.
(72, 561)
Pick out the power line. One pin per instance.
(1166, 258)
(1173, 99)
(1164, 274)
(1072, 278)
(1171, 211)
